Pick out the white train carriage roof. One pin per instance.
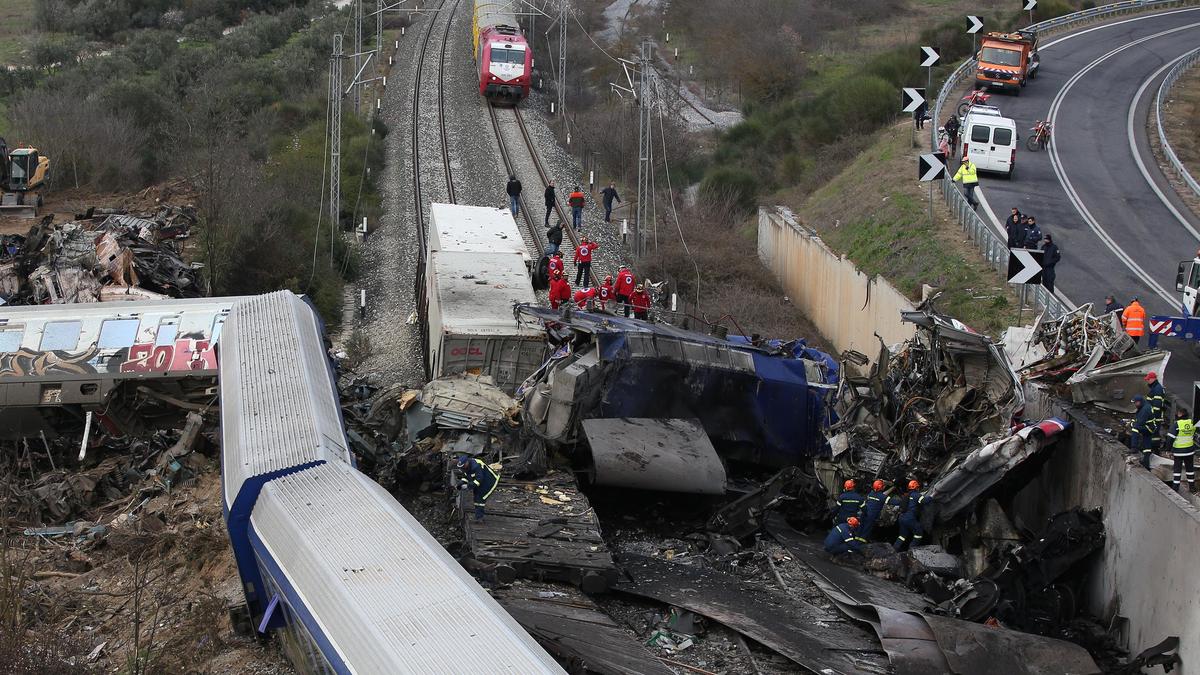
(378, 589)
(279, 409)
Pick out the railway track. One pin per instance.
(536, 160)
(418, 193)
(419, 197)
(532, 234)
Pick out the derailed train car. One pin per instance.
(330, 560)
(676, 387)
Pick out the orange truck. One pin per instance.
(1006, 61)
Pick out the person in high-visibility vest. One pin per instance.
(969, 175)
(1183, 447)
(1133, 318)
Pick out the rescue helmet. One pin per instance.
(852, 521)
(877, 486)
(849, 485)
(914, 485)
(1151, 376)
(462, 461)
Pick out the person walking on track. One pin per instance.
(577, 201)
(551, 200)
(514, 195)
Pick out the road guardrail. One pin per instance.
(1177, 71)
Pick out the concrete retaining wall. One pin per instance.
(847, 305)
(1149, 571)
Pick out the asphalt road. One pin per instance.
(1121, 227)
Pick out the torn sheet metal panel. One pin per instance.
(962, 647)
(748, 400)
(967, 480)
(806, 634)
(1113, 386)
(570, 626)
(466, 401)
(672, 455)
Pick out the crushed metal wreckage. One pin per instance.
(103, 255)
(924, 400)
(1087, 358)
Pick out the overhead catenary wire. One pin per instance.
(675, 212)
(321, 200)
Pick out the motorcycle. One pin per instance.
(976, 97)
(1040, 137)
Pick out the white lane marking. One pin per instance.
(1137, 156)
(987, 208)
(1073, 196)
(1115, 23)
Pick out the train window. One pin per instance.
(118, 333)
(218, 323)
(507, 55)
(167, 331)
(61, 335)
(10, 340)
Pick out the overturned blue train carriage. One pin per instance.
(328, 558)
(765, 403)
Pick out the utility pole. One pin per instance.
(645, 100)
(358, 47)
(562, 61)
(335, 135)
(378, 36)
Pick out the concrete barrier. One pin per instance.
(848, 306)
(1149, 570)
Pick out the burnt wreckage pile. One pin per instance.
(624, 407)
(101, 255)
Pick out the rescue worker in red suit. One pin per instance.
(641, 303)
(560, 290)
(583, 261)
(606, 293)
(583, 297)
(624, 288)
(555, 264)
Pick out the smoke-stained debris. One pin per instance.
(103, 255)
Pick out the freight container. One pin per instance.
(471, 326)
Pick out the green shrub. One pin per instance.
(729, 182)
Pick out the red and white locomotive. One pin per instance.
(504, 58)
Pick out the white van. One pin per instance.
(990, 140)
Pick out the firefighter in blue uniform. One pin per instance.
(873, 507)
(849, 503)
(844, 538)
(1156, 398)
(911, 532)
(478, 477)
(1140, 430)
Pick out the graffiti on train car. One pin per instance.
(26, 362)
(185, 354)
